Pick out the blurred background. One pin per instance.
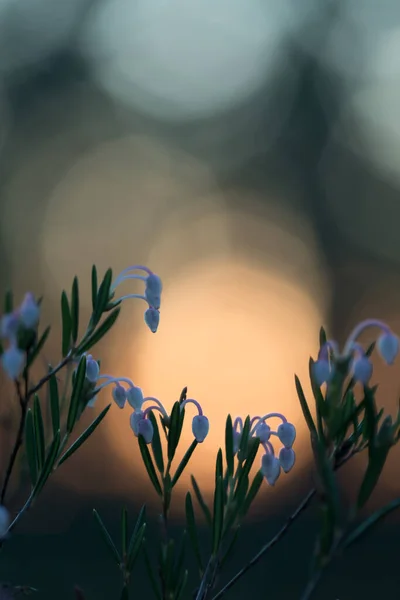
(248, 152)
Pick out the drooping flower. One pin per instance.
(29, 311)
(13, 361)
(152, 292)
(270, 467)
(200, 423)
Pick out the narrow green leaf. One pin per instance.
(229, 446)
(48, 464)
(174, 430)
(94, 286)
(134, 549)
(75, 310)
(245, 471)
(54, 403)
(180, 560)
(156, 444)
(377, 459)
(107, 538)
(182, 465)
(100, 332)
(370, 522)
(139, 522)
(322, 337)
(34, 353)
(201, 501)
(76, 394)
(192, 530)
(304, 406)
(181, 587)
(244, 439)
(30, 446)
(150, 573)
(8, 302)
(66, 324)
(124, 532)
(322, 409)
(230, 548)
(39, 432)
(370, 417)
(252, 493)
(84, 436)
(218, 516)
(103, 296)
(148, 463)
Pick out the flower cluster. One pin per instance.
(133, 395)
(24, 318)
(286, 433)
(152, 293)
(360, 365)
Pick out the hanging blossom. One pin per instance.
(26, 316)
(152, 293)
(125, 390)
(361, 366)
(286, 433)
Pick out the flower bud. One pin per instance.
(321, 370)
(13, 361)
(270, 468)
(92, 369)
(152, 319)
(362, 369)
(29, 311)
(134, 395)
(200, 427)
(4, 521)
(388, 347)
(119, 395)
(9, 325)
(287, 434)
(153, 290)
(263, 431)
(134, 420)
(145, 428)
(287, 458)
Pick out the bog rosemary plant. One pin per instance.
(347, 421)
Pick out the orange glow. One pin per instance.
(235, 335)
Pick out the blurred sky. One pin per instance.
(245, 150)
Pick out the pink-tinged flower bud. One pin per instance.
(388, 347)
(362, 369)
(321, 371)
(287, 459)
(119, 395)
(153, 290)
(152, 319)
(145, 428)
(200, 427)
(287, 434)
(13, 361)
(135, 419)
(263, 431)
(92, 369)
(134, 395)
(5, 521)
(29, 311)
(9, 324)
(270, 468)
